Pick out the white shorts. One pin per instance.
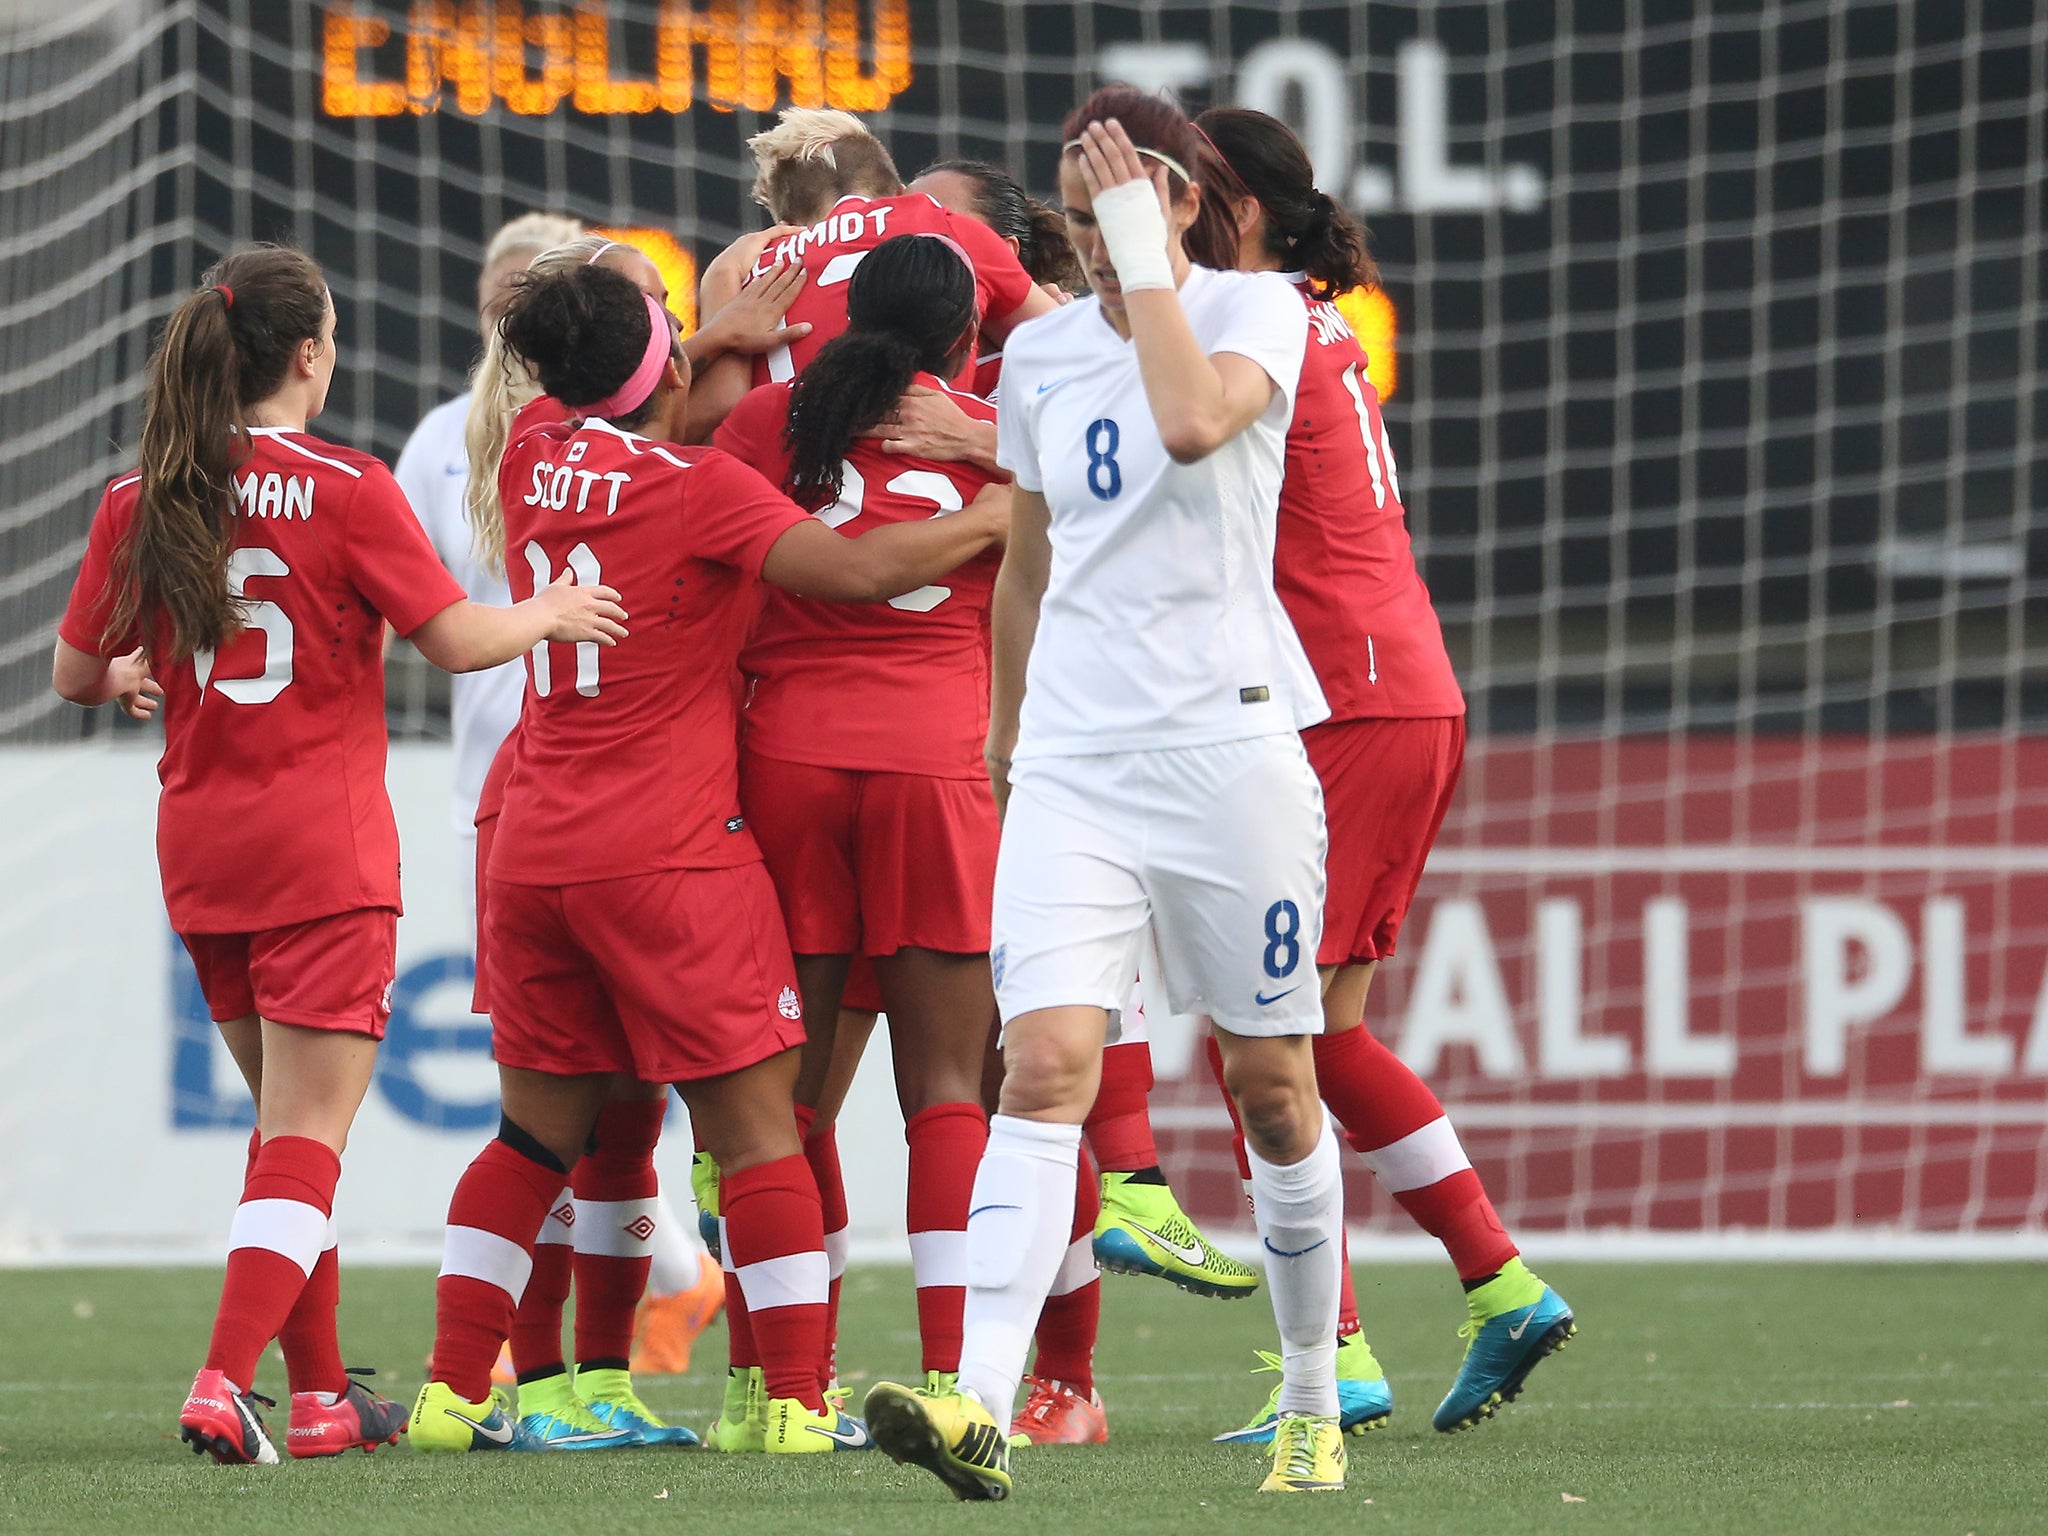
(1220, 848)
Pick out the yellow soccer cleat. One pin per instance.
(742, 1425)
(953, 1437)
(441, 1421)
(1308, 1456)
(793, 1430)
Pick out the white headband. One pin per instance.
(1168, 161)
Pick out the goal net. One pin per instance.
(1718, 396)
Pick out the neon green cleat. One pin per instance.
(1364, 1400)
(552, 1411)
(793, 1430)
(742, 1425)
(704, 1190)
(1308, 1457)
(441, 1421)
(1143, 1231)
(952, 1437)
(609, 1395)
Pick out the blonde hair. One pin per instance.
(499, 387)
(532, 232)
(812, 157)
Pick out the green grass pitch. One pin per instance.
(1698, 1398)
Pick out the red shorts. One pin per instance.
(870, 863)
(327, 973)
(672, 976)
(1386, 786)
(862, 993)
(479, 992)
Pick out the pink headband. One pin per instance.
(950, 244)
(632, 394)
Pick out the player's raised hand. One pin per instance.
(577, 614)
(133, 688)
(1109, 159)
(752, 322)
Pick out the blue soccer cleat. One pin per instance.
(1516, 1321)
(1364, 1400)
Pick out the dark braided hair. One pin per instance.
(909, 307)
(1000, 202)
(582, 332)
(1305, 228)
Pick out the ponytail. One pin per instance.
(909, 307)
(225, 349)
(1304, 229)
(1053, 258)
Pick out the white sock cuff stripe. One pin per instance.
(938, 1258)
(1419, 1159)
(792, 1280)
(725, 1248)
(475, 1254)
(1307, 1173)
(289, 1227)
(616, 1229)
(837, 1245)
(333, 1236)
(1076, 1269)
(559, 1225)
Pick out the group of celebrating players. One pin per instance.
(990, 613)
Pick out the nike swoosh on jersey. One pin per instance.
(1189, 1254)
(1266, 1002)
(502, 1435)
(1053, 385)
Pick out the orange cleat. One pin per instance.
(1056, 1414)
(668, 1325)
(502, 1373)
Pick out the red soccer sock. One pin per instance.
(537, 1319)
(1071, 1320)
(821, 1151)
(486, 1258)
(1398, 1126)
(1119, 1126)
(279, 1231)
(1244, 1167)
(946, 1143)
(312, 1347)
(775, 1237)
(616, 1188)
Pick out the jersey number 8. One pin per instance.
(1105, 476)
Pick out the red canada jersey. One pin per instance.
(1341, 560)
(628, 755)
(988, 374)
(895, 687)
(831, 248)
(274, 810)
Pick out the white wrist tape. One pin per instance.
(1134, 229)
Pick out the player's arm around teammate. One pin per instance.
(254, 566)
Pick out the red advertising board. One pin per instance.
(1700, 984)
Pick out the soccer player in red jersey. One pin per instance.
(243, 578)
(861, 769)
(632, 928)
(837, 195)
(1388, 759)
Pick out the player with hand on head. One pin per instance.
(630, 927)
(1154, 769)
(1388, 761)
(242, 580)
(861, 769)
(836, 194)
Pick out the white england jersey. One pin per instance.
(433, 471)
(1159, 627)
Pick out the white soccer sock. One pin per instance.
(1300, 1213)
(1017, 1228)
(678, 1252)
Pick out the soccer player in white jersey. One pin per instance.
(1155, 773)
